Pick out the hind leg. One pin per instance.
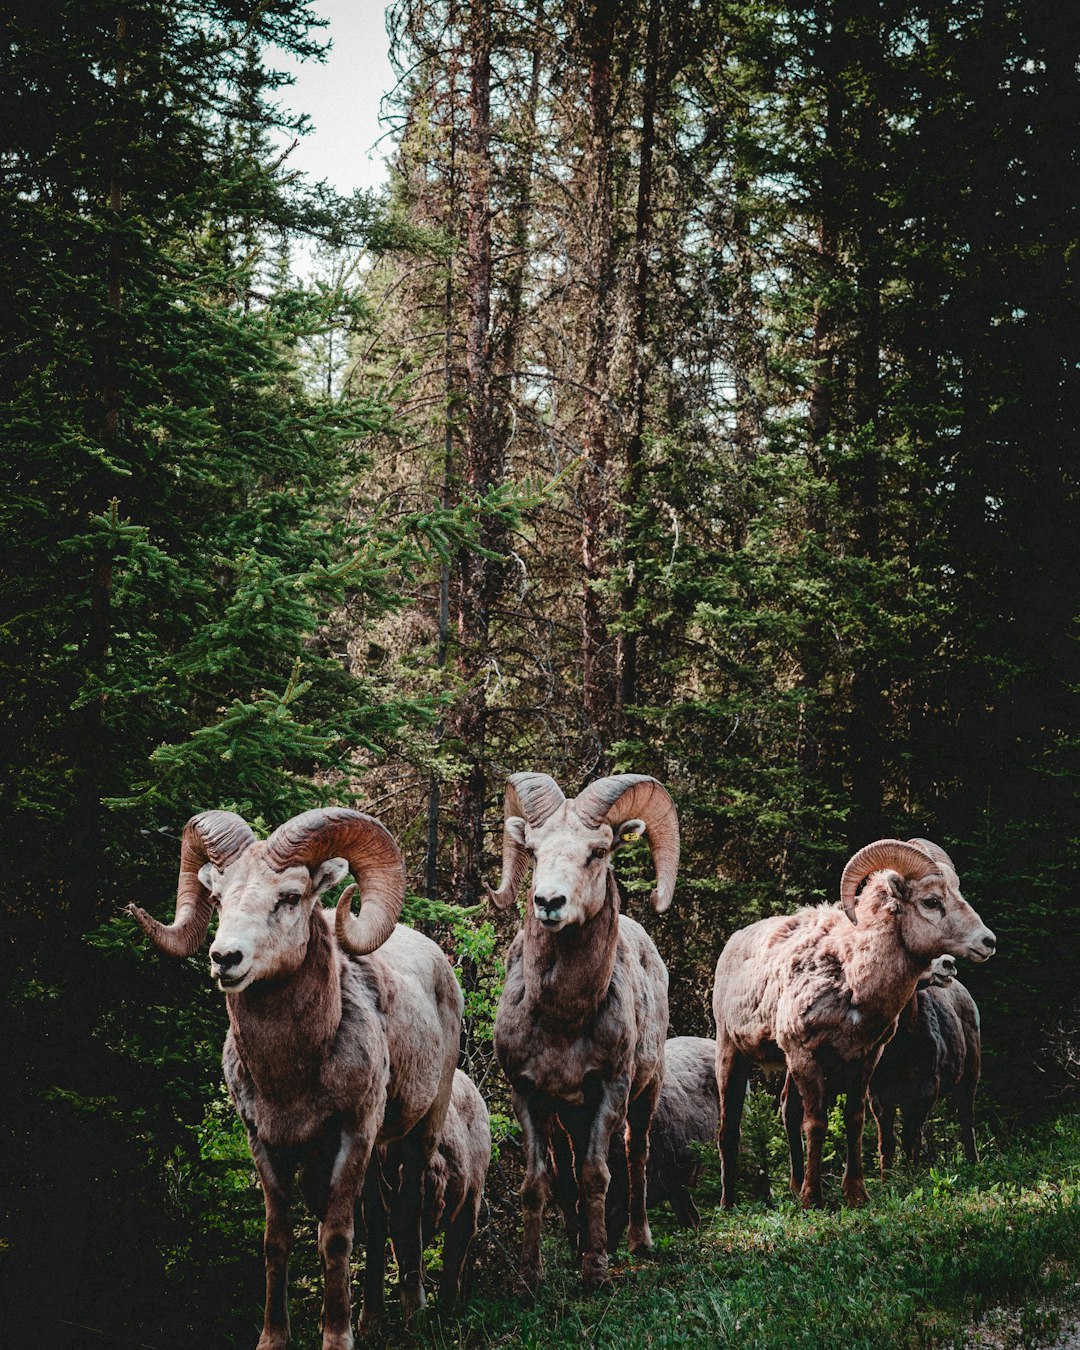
(791, 1109)
(639, 1114)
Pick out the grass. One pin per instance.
(917, 1267)
(934, 1251)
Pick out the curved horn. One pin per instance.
(534, 796)
(906, 859)
(374, 860)
(625, 795)
(217, 837)
(938, 854)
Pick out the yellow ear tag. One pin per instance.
(629, 837)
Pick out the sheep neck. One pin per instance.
(881, 973)
(283, 1028)
(568, 974)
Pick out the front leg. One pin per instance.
(373, 1206)
(535, 1115)
(336, 1233)
(593, 1178)
(809, 1081)
(406, 1219)
(276, 1169)
(854, 1182)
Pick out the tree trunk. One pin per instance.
(477, 575)
(627, 647)
(599, 684)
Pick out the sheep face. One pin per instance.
(935, 919)
(569, 864)
(265, 916)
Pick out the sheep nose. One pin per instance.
(225, 960)
(550, 903)
(989, 941)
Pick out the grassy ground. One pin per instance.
(934, 1251)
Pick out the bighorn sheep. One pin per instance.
(454, 1182)
(821, 989)
(580, 1026)
(686, 1116)
(334, 1048)
(936, 1049)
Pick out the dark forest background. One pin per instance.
(701, 399)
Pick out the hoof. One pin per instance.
(595, 1273)
(370, 1323)
(528, 1282)
(413, 1298)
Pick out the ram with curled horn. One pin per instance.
(583, 1016)
(819, 992)
(342, 1043)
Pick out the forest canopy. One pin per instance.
(699, 399)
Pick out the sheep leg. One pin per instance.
(732, 1073)
(535, 1116)
(809, 1082)
(276, 1170)
(336, 1235)
(915, 1114)
(374, 1213)
(885, 1115)
(406, 1219)
(639, 1116)
(682, 1203)
(594, 1176)
(854, 1182)
(965, 1108)
(460, 1232)
(565, 1183)
(791, 1109)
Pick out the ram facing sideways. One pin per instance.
(819, 992)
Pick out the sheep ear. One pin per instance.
(328, 874)
(898, 887)
(208, 874)
(628, 831)
(515, 828)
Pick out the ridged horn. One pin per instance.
(626, 795)
(217, 837)
(533, 796)
(374, 860)
(938, 854)
(909, 861)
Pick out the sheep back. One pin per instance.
(793, 979)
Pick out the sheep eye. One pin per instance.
(598, 853)
(289, 898)
(932, 902)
